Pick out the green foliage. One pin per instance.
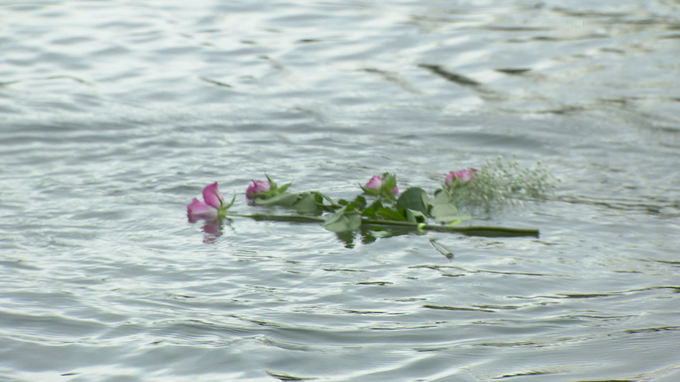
(371, 211)
(389, 182)
(307, 203)
(370, 191)
(413, 216)
(443, 209)
(414, 199)
(496, 183)
(358, 202)
(390, 214)
(222, 212)
(343, 220)
(303, 203)
(274, 191)
(283, 200)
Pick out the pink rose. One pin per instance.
(257, 187)
(376, 182)
(208, 209)
(463, 176)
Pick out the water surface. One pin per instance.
(115, 114)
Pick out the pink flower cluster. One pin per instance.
(463, 176)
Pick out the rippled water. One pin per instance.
(115, 114)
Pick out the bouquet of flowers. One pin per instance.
(381, 203)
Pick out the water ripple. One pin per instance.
(115, 114)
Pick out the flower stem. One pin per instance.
(282, 218)
(470, 230)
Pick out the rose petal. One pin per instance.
(375, 182)
(199, 210)
(212, 196)
(257, 187)
(449, 178)
(463, 176)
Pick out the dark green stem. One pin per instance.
(282, 218)
(470, 230)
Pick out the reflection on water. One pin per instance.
(115, 114)
(213, 230)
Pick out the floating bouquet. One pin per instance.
(381, 203)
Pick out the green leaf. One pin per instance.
(371, 210)
(285, 200)
(413, 216)
(414, 198)
(224, 208)
(389, 182)
(339, 224)
(354, 222)
(446, 213)
(370, 191)
(360, 202)
(283, 188)
(443, 209)
(335, 216)
(336, 226)
(357, 204)
(453, 218)
(343, 221)
(441, 197)
(369, 213)
(272, 184)
(306, 203)
(390, 214)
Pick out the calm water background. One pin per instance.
(115, 114)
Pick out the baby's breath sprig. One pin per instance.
(498, 184)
